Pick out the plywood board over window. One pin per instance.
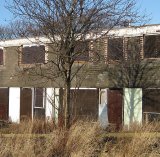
(81, 51)
(33, 54)
(152, 46)
(115, 48)
(151, 100)
(133, 48)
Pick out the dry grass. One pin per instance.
(83, 139)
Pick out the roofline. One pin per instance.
(130, 31)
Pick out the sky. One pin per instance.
(150, 7)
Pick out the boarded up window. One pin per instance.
(151, 105)
(152, 46)
(133, 48)
(151, 100)
(82, 51)
(115, 48)
(33, 54)
(1, 56)
(84, 103)
(39, 97)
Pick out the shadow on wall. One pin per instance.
(132, 106)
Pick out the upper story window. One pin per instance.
(82, 51)
(33, 54)
(1, 56)
(152, 46)
(115, 48)
(133, 48)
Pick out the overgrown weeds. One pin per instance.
(84, 139)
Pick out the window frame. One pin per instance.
(155, 44)
(123, 49)
(83, 60)
(3, 62)
(32, 64)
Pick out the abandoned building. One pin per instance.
(100, 95)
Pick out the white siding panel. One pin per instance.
(132, 105)
(49, 103)
(14, 104)
(103, 111)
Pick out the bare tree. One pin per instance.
(67, 23)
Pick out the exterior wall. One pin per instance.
(96, 72)
(132, 105)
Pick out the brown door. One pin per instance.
(115, 107)
(4, 103)
(26, 103)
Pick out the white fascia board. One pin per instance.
(119, 32)
(24, 41)
(135, 31)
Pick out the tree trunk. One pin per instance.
(67, 104)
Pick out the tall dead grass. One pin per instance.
(83, 139)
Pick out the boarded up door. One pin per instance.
(4, 103)
(26, 103)
(115, 107)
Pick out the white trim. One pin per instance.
(14, 104)
(33, 44)
(151, 113)
(33, 102)
(85, 88)
(125, 32)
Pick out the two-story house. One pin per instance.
(120, 88)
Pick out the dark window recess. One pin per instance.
(39, 97)
(152, 46)
(133, 48)
(151, 107)
(81, 51)
(33, 54)
(1, 56)
(151, 100)
(39, 113)
(115, 48)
